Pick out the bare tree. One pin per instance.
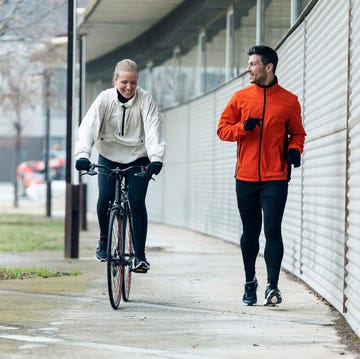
(35, 20)
(16, 96)
(26, 28)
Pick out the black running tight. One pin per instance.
(137, 193)
(257, 199)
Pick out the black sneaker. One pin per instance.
(140, 265)
(272, 296)
(101, 250)
(249, 297)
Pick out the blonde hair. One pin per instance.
(125, 65)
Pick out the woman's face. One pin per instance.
(126, 83)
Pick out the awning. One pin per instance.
(141, 29)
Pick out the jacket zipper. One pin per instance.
(261, 132)
(123, 121)
(238, 158)
(281, 158)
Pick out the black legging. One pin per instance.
(254, 198)
(137, 194)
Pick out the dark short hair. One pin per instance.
(268, 55)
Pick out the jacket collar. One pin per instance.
(271, 87)
(126, 104)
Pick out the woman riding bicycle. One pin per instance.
(125, 125)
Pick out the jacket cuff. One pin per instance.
(82, 155)
(156, 159)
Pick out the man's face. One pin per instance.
(126, 83)
(258, 72)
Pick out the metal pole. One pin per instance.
(83, 186)
(259, 22)
(47, 142)
(72, 191)
(295, 10)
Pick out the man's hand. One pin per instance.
(251, 123)
(83, 164)
(153, 168)
(294, 157)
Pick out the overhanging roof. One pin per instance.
(112, 23)
(141, 30)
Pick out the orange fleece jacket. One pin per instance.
(262, 152)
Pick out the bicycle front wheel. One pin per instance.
(128, 255)
(115, 267)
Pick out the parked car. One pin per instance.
(33, 172)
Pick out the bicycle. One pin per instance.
(120, 252)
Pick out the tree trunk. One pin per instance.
(16, 160)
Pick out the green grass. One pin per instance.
(24, 273)
(26, 233)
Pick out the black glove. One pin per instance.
(250, 123)
(82, 164)
(153, 168)
(294, 157)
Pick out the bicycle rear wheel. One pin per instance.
(128, 255)
(115, 267)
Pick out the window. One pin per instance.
(215, 49)
(218, 52)
(189, 70)
(178, 95)
(149, 76)
(297, 6)
(276, 20)
(245, 33)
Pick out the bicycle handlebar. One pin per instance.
(117, 170)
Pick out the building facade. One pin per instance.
(318, 44)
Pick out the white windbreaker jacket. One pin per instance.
(122, 132)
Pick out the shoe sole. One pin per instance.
(248, 304)
(272, 300)
(101, 259)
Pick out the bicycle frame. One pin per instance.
(119, 246)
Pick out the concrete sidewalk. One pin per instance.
(187, 306)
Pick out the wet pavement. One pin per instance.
(187, 306)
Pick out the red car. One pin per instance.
(33, 172)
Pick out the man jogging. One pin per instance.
(265, 121)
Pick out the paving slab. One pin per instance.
(187, 306)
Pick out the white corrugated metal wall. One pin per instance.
(291, 76)
(197, 187)
(352, 260)
(325, 113)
